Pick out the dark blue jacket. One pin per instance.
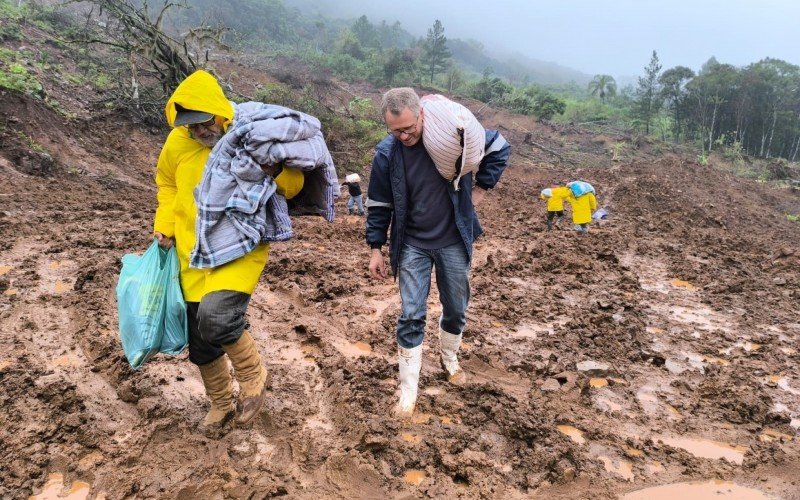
(387, 196)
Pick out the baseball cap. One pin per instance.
(189, 116)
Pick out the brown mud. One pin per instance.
(660, 348)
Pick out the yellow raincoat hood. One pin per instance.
(200, 92)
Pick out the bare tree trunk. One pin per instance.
(702, 113)
(772, 132)
(743, 136)
(796, 147)
(711, 129)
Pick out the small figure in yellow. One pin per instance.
(555, 197)
(582, 208)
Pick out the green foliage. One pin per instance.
(436, 52)
(702, 159)
(396, 65)
(617, 149)
(30, 142)
(602, 86)
(366, 33)
(14, 76)
(360, 131)
(673, 90)
(349, 45)
(10, 22)
(589, 110)
(347, 67)
(361, 108)
(548, 105)
(648, 94)
(489, 88)
(793, 218)
(102, 81)
(534, 100)
(732, 151)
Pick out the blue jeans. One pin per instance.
(356, 200)
(452, 279)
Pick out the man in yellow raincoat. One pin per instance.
(216, 298)
(555, 197)
(582, 209)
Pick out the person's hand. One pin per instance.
(164, 242)
(477, 196)
(377, 266)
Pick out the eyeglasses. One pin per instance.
(206, 124)
(407, 131)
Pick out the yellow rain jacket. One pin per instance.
(556, 202)
(180, 168)
(582, 208)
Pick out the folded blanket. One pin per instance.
(237, 206)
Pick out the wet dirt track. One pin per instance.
(661, 348)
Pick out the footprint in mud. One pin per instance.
(706, 448)
(411, 438)
(576, 435)
(414, 477)
(354, 350)
(55, 488)
(621, 468)
(700, 489)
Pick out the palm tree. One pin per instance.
(603, 85)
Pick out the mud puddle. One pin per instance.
(697, 491)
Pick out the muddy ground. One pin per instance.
(661, 348)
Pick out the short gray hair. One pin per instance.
(396, 100)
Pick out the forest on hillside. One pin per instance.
(750, 111)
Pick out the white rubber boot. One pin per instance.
(410, 363)
(449, 345)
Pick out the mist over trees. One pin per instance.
(752, 110)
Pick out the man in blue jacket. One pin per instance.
(432, 226)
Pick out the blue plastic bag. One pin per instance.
(176, 326)
(580, 188)
(152, 313)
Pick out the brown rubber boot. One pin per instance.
(219, 388)
(251, 374)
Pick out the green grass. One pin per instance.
(15, 76)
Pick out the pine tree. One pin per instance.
(648, 93)
(436, 51)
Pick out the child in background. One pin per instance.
(353, 183)
(582, 208)
(555, 197)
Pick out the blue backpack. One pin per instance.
(580, 188)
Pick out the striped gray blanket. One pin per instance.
(237, 204)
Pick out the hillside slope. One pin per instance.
(684, 303)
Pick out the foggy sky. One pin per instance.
(614, 37)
